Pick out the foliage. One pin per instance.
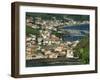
(57, 34)
(82, 50)
(47, 16)
(30, 30)
(79, 17)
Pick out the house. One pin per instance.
(75, 44)
(29, 21)
(53, 55)
(70, 53)
(28, 39)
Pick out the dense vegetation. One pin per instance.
(30, 30)
(79, 17)
(82, 50)
(47, 16)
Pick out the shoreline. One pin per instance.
(76, 24)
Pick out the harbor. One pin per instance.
(53, 41)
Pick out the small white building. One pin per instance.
(70, 53)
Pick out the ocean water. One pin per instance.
(78, 27)
(82, 29)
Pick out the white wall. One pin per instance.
(5, 40)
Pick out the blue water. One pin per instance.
(78, 27)
(73, 37)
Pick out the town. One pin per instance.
(45, 38)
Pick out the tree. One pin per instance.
(82, 50)
(30, 30)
